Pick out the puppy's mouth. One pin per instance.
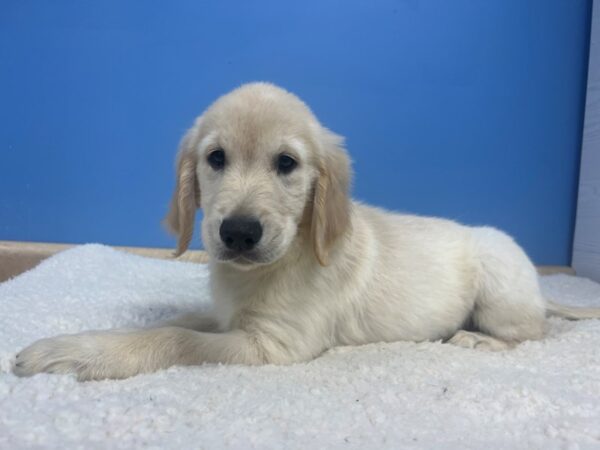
(243, 260)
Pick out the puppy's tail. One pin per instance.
(571, 312)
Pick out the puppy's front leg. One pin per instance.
(123, 353)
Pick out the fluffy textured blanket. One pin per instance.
(543, 394)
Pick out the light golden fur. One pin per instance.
(327, 271)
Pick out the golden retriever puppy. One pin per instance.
(297, 267)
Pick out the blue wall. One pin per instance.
(466, 109)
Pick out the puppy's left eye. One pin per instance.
(216, 159)
(285, 164)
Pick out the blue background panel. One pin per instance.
(463, 109)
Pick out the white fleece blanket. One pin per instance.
(543, 394)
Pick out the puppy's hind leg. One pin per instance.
(509, 306)
(479, 341)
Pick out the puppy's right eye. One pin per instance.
(216, 159)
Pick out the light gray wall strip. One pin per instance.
(586, 248)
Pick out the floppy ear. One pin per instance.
(186, 197)
(331, 203)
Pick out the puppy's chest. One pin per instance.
(238, 301)
(263, 303)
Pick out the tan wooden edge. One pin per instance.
(17, 257)
(551, 270)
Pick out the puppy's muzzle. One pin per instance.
(240, 234)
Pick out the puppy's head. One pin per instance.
(263, 169)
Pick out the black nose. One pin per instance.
(240, 233)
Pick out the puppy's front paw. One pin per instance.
(60, 354)
(88, 355)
